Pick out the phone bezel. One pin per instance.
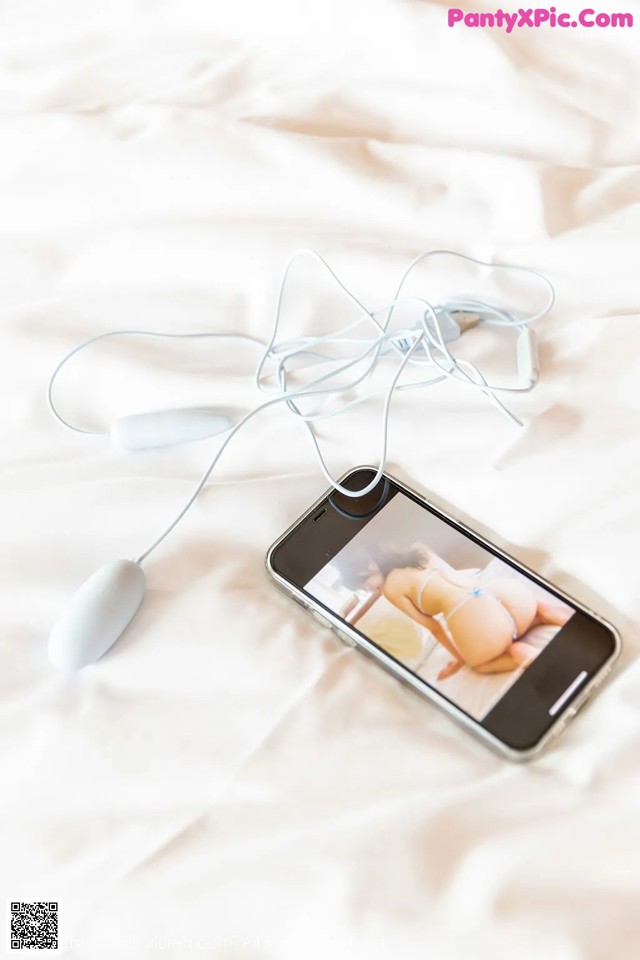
(403, 673)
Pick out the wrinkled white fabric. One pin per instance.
(228, 782)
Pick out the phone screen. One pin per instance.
(469, 623)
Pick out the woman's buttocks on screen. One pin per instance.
(485, 621)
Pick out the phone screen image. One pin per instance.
(459, 617)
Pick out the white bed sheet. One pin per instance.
(228, 782)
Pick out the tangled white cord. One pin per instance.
(421, 346)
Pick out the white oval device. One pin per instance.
(97, 615)
(165, 428)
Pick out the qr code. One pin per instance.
(34, 926)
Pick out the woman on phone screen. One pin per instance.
(485, 622)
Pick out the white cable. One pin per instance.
(516, 268)
(269, 403)
(420, 345)
(127, 333)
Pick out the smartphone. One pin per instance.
(509, 656)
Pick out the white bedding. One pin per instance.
(228, 782)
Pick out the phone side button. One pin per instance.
(341, 635)
(321, 620)
(559, 727)
(571, 711)
(566, 718)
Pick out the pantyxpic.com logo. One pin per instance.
(537, 17)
